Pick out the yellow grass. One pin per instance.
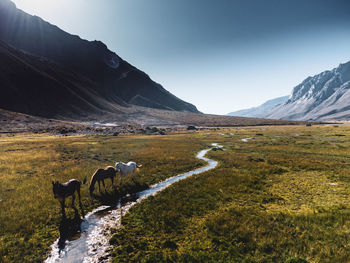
(30, 215)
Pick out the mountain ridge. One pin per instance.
(324, 96)
(112, 79)
(261, 110)
(54, 91)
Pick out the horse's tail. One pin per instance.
(84, 181)
(138, 165)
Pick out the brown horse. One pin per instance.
(101, 175)
(63, 190)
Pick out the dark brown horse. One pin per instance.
(101, 175)
(63, 190)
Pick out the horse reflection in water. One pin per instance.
(68, 227)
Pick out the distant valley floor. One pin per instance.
(131, 120)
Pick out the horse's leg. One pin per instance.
(112, 178)
(73, 199)
(99, 185)
(103, 182)
(132, 176)
(79, 197)
(80, 204)
(62, 207)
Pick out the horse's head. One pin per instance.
(117, 166)
(91, 188)
(56, 187)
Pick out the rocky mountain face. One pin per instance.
(325, 96)
(47, 61)
(260, 111)
(40, 87)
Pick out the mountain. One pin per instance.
(260, 111)
(70, 70)
(325, 96)
(40, 87)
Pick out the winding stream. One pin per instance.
(92, 245)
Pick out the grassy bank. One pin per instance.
(282, 196)
(30, 216)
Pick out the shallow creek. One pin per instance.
(92, 242)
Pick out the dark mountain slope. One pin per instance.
(115, 80)
(43, 88)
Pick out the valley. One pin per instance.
(179, 181)
(290, 181)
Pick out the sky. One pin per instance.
(220, 55)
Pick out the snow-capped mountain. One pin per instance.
(260, 111)
(325, 96)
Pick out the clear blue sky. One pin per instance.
(221, 55)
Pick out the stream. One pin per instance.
(91, 244)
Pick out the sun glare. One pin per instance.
(49, 10)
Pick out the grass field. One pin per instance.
(282, 196)
(30, 215)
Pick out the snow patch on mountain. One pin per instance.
(325, 96)
(260, 111)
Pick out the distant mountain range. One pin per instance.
(323, 97)
(260, 111)
(47, 72)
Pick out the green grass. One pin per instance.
(277, 198)
(30, 216)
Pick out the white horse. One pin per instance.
(126, 168)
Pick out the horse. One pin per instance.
(63, 190)
(126, 168)
(101, 175)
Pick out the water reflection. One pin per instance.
(69, 228)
